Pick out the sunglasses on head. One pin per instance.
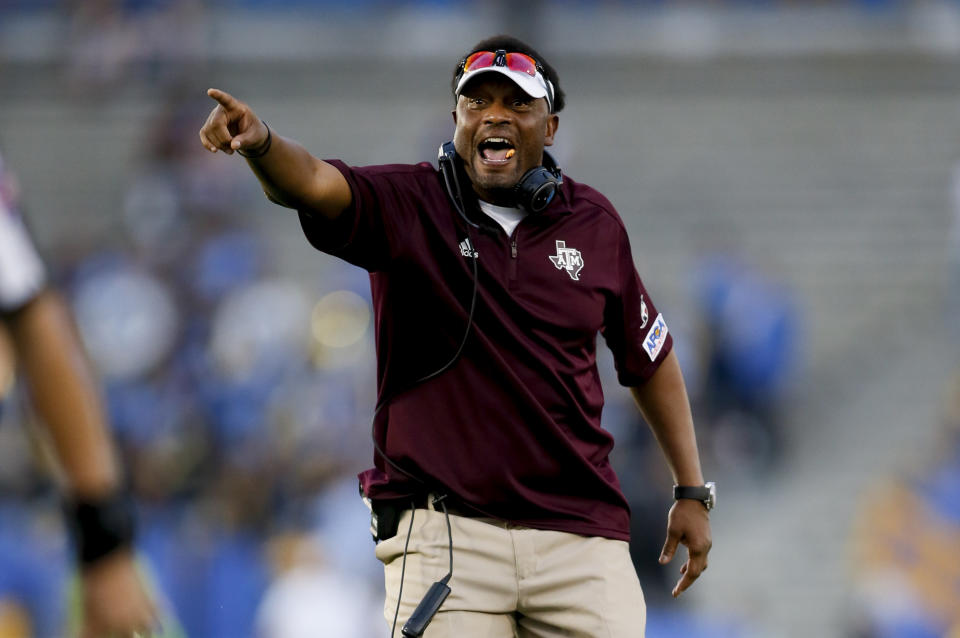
(520, 62)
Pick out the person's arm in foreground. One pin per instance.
(115, 601)
(664, 404)
(290, 176)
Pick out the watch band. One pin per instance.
(706, 494)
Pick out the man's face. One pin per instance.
(500, 134)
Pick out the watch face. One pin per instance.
(711, 500)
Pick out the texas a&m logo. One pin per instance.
(568, 259)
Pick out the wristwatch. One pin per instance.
(706, 494)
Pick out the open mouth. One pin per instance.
(496, 150)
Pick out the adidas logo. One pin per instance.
(466, 249)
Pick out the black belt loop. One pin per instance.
(437, 499)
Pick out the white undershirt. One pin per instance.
(508, 218)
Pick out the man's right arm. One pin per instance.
(290, 176)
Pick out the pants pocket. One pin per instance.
(391, 549)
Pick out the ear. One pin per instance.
(454, 114)
(553, 121)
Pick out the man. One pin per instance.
(115, 602)
(490, 280)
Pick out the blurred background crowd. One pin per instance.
(787, 171)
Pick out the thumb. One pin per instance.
(669, 548)
(251, 137)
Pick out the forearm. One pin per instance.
(65, 395)
(289, 175)
(292, 177)
(665, 406)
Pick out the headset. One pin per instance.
(534, 192)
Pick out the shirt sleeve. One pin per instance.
(369, 232)
(635, 331)
(22, 273)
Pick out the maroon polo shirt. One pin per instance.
(513, 427)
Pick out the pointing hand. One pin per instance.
(232, 126)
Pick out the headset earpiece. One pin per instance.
(445, 155)
(446, 160)
(538, 186)
(534, 191)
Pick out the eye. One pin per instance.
(522, 102)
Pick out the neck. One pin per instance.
(497, 196)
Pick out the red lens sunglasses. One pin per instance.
(513, 61)
(519, 62)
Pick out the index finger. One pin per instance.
(689, 573)
(226, 100)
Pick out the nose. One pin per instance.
(497, 113)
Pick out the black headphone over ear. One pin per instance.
(446, 159)
(534, 192)
(538, 186)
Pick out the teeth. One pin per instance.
(510, 153)
(499, 140)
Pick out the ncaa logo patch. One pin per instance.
(568, 259)
(655, 339)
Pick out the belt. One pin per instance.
(454, 506)
(386, 513)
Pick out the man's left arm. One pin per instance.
(664, 404)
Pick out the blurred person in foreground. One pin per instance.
(64, 393)
(491, 279)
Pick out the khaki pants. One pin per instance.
(511, 581)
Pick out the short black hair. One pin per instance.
(515, 45)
